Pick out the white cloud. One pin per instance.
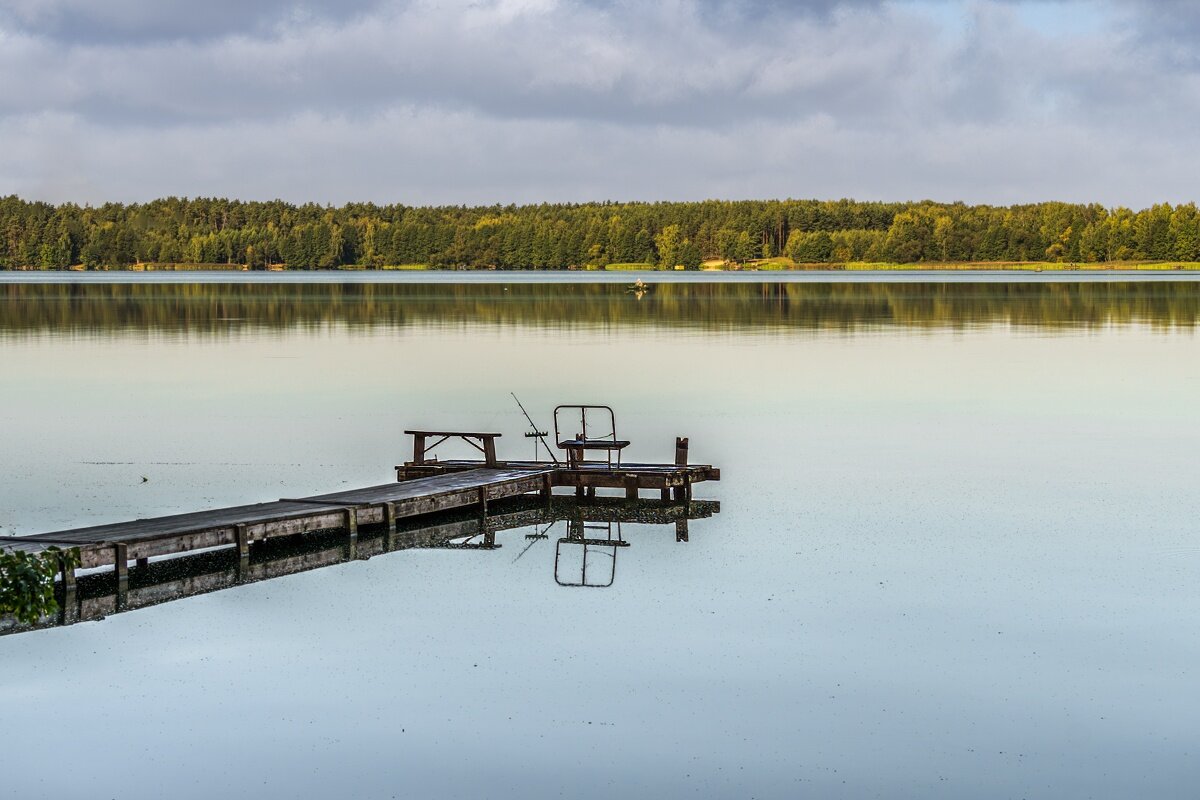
(530, 100)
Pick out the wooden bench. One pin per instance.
(483, 442)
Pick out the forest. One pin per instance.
(275, 234)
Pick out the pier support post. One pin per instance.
(69, 612)
(67, 571)
(121, 562)
(389, 518)
(121, 568)
(547, 488)
(483, 502)
(665, 494)
(681, 451)
(242, 538)
(631, 487)
(352, 532)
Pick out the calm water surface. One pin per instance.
(957, 555)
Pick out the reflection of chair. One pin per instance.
(586, 439)
(579, 548)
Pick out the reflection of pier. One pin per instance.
(97, 595)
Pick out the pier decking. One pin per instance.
(421, 489)
(99, 595)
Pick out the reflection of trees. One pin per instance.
(217, 308)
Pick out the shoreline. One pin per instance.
(14, 277)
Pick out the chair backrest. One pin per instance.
(601, 417)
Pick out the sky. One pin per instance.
(528, 101)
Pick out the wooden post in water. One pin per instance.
(67, 571)
(241, 538)
(121, 562)
(389, 517)
(69, 613)
(681, 451)
(352, 532)
(631, 487)
(121, 566)
(681, 460)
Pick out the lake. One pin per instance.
(957, 552)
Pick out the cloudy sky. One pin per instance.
(482, 101)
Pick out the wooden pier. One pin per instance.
(424, 487)
(99, 595)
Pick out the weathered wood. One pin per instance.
(351, 518)
(486, 443)
(242, 538)
(681, 451)
(429, 489)
(121, 561)
(66, 571)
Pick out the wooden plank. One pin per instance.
(453, 485)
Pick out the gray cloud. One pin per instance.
(498, 100)
(125, 21)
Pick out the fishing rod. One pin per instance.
(535, 432)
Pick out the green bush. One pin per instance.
(27, 582)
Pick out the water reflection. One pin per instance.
(215, 308)
(100, 594)
(588, 546)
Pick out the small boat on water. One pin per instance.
(638, 287)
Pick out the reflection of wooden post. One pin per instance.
(631, 487)
(681, 530)
(665, 494)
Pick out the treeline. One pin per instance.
(563, 236)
